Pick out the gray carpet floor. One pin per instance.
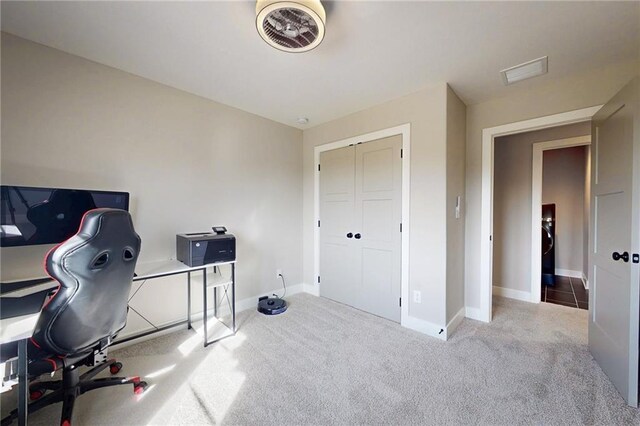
(325, 363)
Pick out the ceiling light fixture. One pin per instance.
(302, 120)
(524, 71)
(291, 26)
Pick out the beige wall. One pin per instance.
(189, 163)
(563, 177)
(513, 157)
(456, 134)
(590, 89)
(426, 111)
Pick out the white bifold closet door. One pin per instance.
(360, 226)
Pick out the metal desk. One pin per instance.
(165, 268)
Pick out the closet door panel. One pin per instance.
(378, 204)
(336, 221)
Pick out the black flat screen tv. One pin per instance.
(33, 216)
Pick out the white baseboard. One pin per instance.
(425, 327)
(474, 314)
(311, 289)
(454, 323)
(568, 273)
(585, 282)
(412, 323)
(525, 296)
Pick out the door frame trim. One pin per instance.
(403, 130)
(486, 214)
(536, 202)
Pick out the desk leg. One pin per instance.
(215, 296)
(23, 382)
(233, 298)
(215, 302)
(188, 300)
(204, 314)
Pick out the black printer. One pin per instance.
(201, 248)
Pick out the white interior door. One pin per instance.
(378, 212)
(614, 278)
(360, 235)
(337, 257)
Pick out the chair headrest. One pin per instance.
(105, 239)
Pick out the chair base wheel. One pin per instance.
(139, 388)
(115, 367)
(36, 394)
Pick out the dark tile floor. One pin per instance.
(567, 292)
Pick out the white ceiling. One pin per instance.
(373, 51)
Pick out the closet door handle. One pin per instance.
(617, 256)
(349, 235)
(357, 236)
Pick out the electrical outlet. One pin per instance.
(417, 296)
(278, 273)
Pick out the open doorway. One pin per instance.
(518, 195)
(489, 135)
(564, 224)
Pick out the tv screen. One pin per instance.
(32, 216)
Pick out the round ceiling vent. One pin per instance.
(291, 26)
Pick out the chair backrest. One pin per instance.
(94, 269)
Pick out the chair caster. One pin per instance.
(139, 388)
(36, 393)
(115, 367)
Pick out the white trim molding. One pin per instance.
(486, 214)
(473, 313)
(536, 202)
(311, 289)
(403, 130)
(425, 327)
(585, 281)
(454, 323)
(568, 273)
(510, 293)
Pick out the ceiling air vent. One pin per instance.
(524, 71)
(291, 26)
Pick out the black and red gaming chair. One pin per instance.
(94, 269)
